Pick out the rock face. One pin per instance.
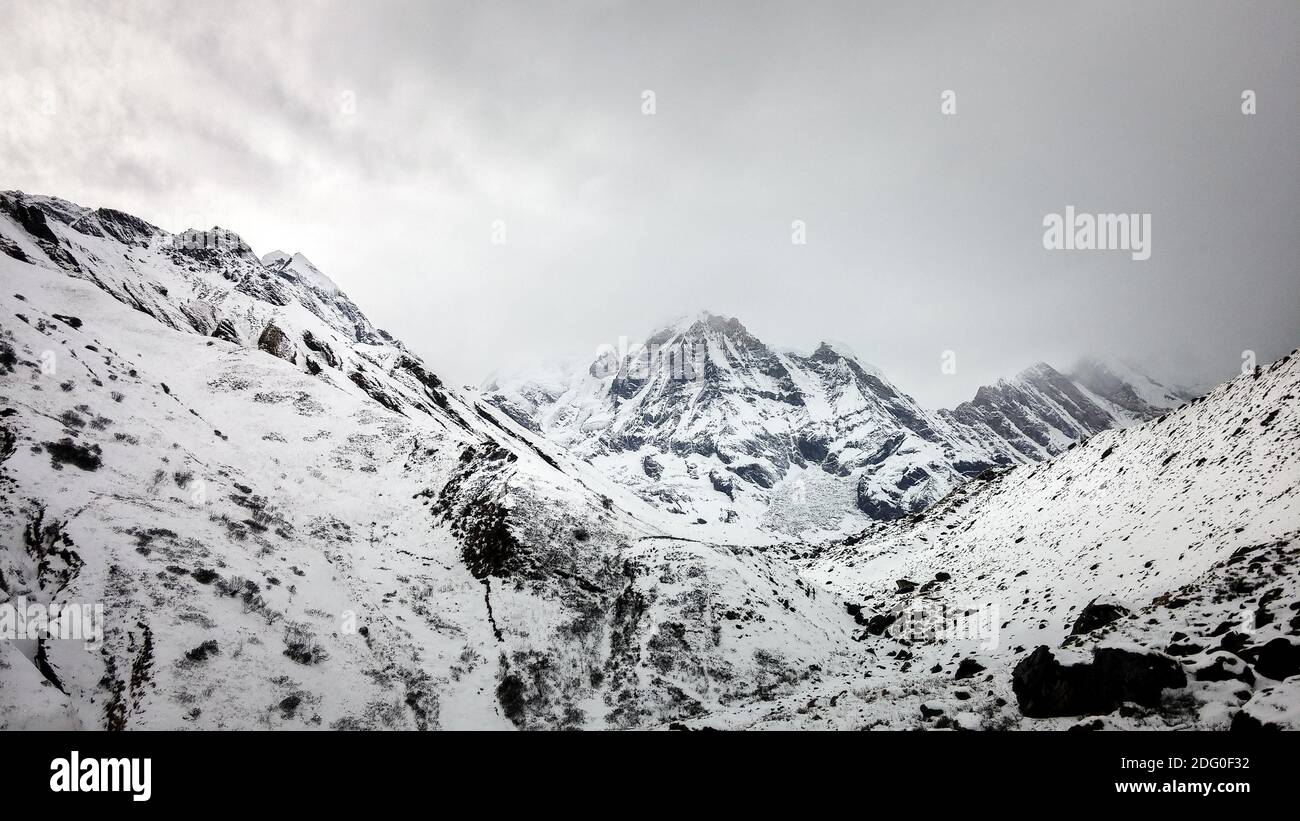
(276, 343)
(1097, 614)
(651, 466)
(1129, 387)
(705, 395)
(1045, 687)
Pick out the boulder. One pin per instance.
(1223, 666)
(276, 343)
(1278, 659)
(968, 668)
(1271, 708)
(879, 623)
(1097, 613)
(1044, 686)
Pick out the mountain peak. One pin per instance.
(276, 257)
(1035, 373)
(698, 321)
(1128, 385)
(298, 264)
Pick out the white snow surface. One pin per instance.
(292, 523)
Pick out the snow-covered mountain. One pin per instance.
(290, 522)
(706, 421)
(1130, 387)
(1147, 576)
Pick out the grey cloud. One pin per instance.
(924, 231)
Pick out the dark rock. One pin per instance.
(423, 375)
(875, 507)
(878, 624)
(1095, 615)
(722, 484)
(225, 330)
(321, 347)
(1234, 642)
(968, 668)
(651, 467)
(1224, 667)
(1045, 687)
(855, 610)
(911, 478)
(376, 391)
(1278, 659)
(905, 585)
(812, 449)
(755, 473)
(275, 342)
(1245, 722)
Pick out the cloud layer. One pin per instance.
(386, 141)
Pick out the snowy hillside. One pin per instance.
(291, 522)
(1174, 541)
(708, 422)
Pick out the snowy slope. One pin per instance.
(291, 522)
(1190, 522)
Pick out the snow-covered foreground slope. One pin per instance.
(707, 422)
(1187, 526)
(291, 522)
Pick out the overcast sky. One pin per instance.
(383, 140)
